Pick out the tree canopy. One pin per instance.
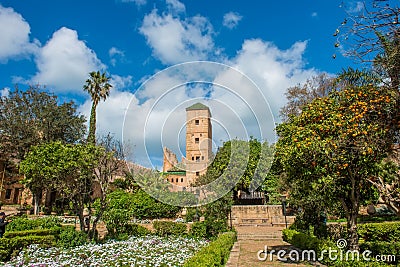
(98, 87)
(329, 151)
(34, 117)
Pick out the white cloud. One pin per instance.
(120, 82)
(174, 40)
(175, 6)
(273, 69)
(355, 7)
(110, 113)
(4, 92)
(137, 2)
(314, 14)
(231, 20)
(65, 61)
(115, 55)
(156, 115)
(14, 32)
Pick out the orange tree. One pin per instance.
(329, 151)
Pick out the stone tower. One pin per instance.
(198, 141)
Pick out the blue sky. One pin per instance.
(277, 44)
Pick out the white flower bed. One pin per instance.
(136, 251)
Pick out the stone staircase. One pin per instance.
(259, 215)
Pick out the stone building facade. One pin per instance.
(198, 148)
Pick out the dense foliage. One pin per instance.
(124, 206)
(330, 150)
(165, 228)
(65, 168)
(215, 254)
(34, 117)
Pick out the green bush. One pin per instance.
(215, 254)
(382, 248)
(38, 232)
(136, 230)
(165, 228)
(300, 240)
(69, 237)
(305, 241)
(374, 232)
(145, 206)
(287, 234)
(199, 229)
(12, 246)
(22, 224)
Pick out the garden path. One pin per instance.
(252, 239)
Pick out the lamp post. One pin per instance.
(283, 197)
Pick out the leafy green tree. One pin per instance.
(65, 168)
(34, 117)
(98, 87)
(118, 212)
(331, 148)
(111, 163)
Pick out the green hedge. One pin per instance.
(165, 228)
(302, 240)
(374, 232)
(37, 232)
(136, 230)
(14, 241)
(215, 254)
(12, 246)
(382, 248)
(198, 229)
(69, 237)
(23, 224)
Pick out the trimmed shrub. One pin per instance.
(136, 230)
(374, 232)
(199, 229)
(12, 246)
(382, 248)
(22, 224)
(215, 254)
(301, 240)
(287, 234)
(39, 232)
(165, 228)
(69, 237)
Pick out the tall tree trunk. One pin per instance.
(92, 126)
(37, 197)
(352, 230)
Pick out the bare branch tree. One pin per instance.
(371, 34)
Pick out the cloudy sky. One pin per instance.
(261, 47)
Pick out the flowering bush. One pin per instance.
(136, 251)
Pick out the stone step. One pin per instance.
(233, 260)
(260, 237)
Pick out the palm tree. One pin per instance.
(98, 87)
